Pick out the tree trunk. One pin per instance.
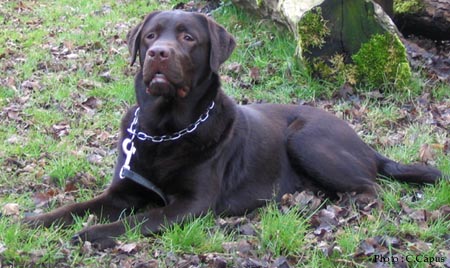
(343, 39)
(428, 18)
(387, 5)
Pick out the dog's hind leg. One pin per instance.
(334, 158)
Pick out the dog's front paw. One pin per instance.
(58, 217)
(34, 221)
(101, 236)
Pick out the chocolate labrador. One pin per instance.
(187, 148)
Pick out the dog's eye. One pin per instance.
(151, 36)
(188, 38)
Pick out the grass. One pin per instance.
(268, 49)
(282, 233)
(36, 39)
(40, 247)
(196, 236)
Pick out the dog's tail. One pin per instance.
(415, 173)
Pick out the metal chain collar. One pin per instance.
(169, 137)
(128, 144)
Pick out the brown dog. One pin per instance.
(203, 152)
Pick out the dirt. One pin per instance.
(430, 57)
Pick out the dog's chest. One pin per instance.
(159, 162)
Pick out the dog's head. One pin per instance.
(178, 50)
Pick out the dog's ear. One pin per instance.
(222, 45)
(134, 37)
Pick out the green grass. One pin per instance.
(282, 233)
(195, 236)
(415, 136)
(35, 42)
(390, 195)
(33, 247)
(270, 50)
(437, 196)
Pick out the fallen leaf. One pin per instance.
(24, 99)
(14, 139)
(420, 246)
(144, 264)
(424, 100)
(234, 67)
(91, 103)
(88, 84)
(30, 85)
(247, 229)
(271, 70)
(14, 115)
(87, 249)
(41, 198)
(280, 262)
(72, 56)
(95, 159)
(37, 254)
(426, 153)
(127, 248)
(253, 263)
(106, 76)
(326, 248)
(345, 91)
(226, 79)
(390, 241)
(437, 146)
(304, 200)
(218, 262)
(447, 261)
(445, 211)
(242, 247)
(370, 247)
(86, 180)
(21, 6)
(70, 187)
(418, 215)
(13, 112)
(326, 220)
(255, 75)
(61, 129)
(11, 83)
(405, 207)
(10, 209)
(376, 94)
(29, 168)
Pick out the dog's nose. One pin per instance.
(159, 52)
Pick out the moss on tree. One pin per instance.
(330, 36)
(382, 59)
(312, 29)
(408, 6)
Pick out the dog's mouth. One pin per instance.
(159, 78)
(160, 85)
